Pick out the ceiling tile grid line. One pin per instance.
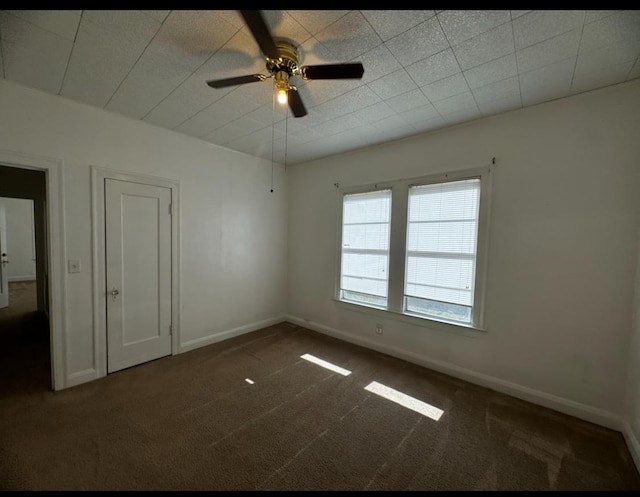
(75, 37)
(423, 69)
(573, 74)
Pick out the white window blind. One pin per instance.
(366, 221)
(442, 233)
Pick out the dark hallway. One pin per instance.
(25, 362)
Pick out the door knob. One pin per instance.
(114, 294)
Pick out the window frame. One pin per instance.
(398, 243)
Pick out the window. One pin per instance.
(366, 220)
(417, 247)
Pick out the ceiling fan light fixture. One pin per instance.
(282, 96)
(282, 86)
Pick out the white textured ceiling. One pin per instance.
(423, 69)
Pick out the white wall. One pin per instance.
(20, 238)
(233, 230)
(633, 378)
(562, 250)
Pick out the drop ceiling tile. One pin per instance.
(393, 84)
(43, 70)
(596, 59)
(28, 36)
(596, 79)
(158, 15)
(540, 25)
(418, 43)
(456, 103)
(147, 84)
(282, 25)
(547, 83)
(308, 134)
(247, 125)
(187, 38)
(378, 62)
(389, 24)
(317, 20)
(434, 68)
(462, 116)
(392, 127)
(460, 25)
(331, 127)
(518, 13)
(349, 37)
(500, 105)
(409, 100)
(359, 98)
(429, 124)
(216, 115)
(373, 113)
(223, 134)
(269, 114)
(234, 58)
(319, 91)
(420, 114)
(184, 102)
(447, 87)
(94, 83)
(493, 71)
(131, 26)
(485, 47)
(61, 22)
(594, 15)
(506, 88)
(260, 139)
(549, 51)
(623, 26)
(31, 55)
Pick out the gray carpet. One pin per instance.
(193, 422)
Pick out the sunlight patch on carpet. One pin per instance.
(404, 400)
(326, 364)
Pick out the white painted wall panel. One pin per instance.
(562, 247)
(233, 230)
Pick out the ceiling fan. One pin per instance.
(283, 63)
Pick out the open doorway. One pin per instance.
(25, 354)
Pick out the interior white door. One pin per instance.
(4, 261)
(138, 272)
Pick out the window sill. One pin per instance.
(467, 330)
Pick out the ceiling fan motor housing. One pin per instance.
(288, 61)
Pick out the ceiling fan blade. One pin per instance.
(238, 80)
(333, 71)
(295, 103)
(258, 27)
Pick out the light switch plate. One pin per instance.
(73, 265)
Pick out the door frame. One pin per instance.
(55, 254)
(98, 218)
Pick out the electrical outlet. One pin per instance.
(379, 329)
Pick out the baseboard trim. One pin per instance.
(224, 335)
(632, 444)
(566, 406)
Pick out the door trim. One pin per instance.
(55, 253)
(98, 176)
